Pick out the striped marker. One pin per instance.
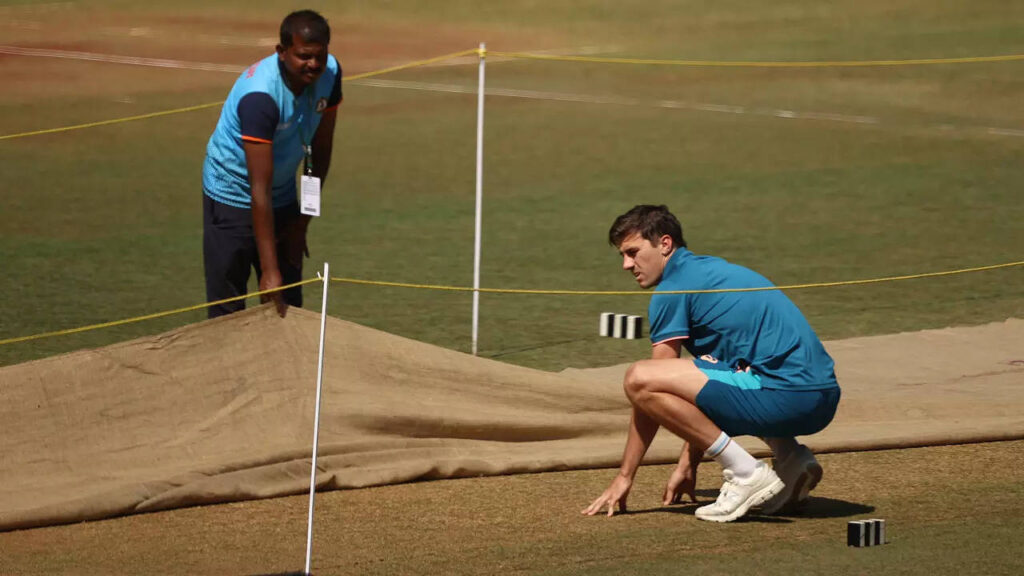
(863, 533)
(621, 326)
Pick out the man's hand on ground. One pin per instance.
(682, 481)
(615, 494)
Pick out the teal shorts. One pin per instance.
(736, 403)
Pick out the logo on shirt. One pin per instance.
(321, 105)
(252, 70)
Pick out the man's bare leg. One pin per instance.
(666, 390)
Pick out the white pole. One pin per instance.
(316, 419)
(479, 195)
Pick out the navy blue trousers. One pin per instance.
(230, 254)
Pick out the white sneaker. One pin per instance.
(739, 495)
(800, 472)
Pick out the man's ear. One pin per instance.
(280, 50)
(666, 245)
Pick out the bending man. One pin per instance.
(757, 369)
(280, 112)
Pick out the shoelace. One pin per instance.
(728, 492)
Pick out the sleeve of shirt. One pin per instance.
(668, 316)
(258, 116)
(336, 95)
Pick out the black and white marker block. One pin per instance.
(621, 326)
(861, 533)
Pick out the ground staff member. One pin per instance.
(280, 112)
(758, 369)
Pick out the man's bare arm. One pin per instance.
(668, 349)
(642, 429)
(259, 158)
(641, 432)
(683, 479)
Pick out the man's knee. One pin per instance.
(677, 377)
(636, 383)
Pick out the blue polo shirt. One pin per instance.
(763, 329)
(261, 108)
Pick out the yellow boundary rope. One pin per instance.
(414, 64)
(481, 53)
(218, 103)
(151, 316)
(595, 59)
(753, 64)
(114, 121)
(647, 293)
(502, 291)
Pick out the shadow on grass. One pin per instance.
(814, 507)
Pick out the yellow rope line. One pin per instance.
(498, 291)
(414, 64)
(152, 316)
(526, 55)
(751, 64)
(642, 293)
(114, 121)
(213, 104)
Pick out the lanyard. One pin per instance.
(307, 147)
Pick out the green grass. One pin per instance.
(103, 224)
(801, 202)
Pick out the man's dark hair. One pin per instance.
(306, 24)
(651, 222)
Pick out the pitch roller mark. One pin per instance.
(622, 101)
(44, 8)
(505, 92)
(203, 66)
(696, 106)
(115, 59)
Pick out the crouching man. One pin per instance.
(758, 369)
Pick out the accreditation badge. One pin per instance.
(309, 192)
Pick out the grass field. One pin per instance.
(103, 223)
(805, 174)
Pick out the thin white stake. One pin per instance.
(316, 419)
(479, 195)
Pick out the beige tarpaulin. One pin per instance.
(223, 411)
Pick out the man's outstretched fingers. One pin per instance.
(622, 506)
(605, 499)
(615, 494)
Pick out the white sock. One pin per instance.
(782, 447)
(732, 456)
